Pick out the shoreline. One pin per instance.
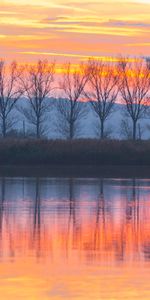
(89, 171)
(76, 158)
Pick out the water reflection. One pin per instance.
(63, 238)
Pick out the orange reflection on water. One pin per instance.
(74, 239)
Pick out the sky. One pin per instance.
(73, 30)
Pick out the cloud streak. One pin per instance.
(90, 28)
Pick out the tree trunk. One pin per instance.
(134, 130)
(38, 129)
(71, 131)
(24, 129)
(140, 133)
(4, 127)
(102, 129)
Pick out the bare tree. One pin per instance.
(134, 88)
(102, 90)
(108, 132)
(10, 93)
(126, 131)
(71, 109)
(38, 85)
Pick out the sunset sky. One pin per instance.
(73, 29)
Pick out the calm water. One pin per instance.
(74, 239)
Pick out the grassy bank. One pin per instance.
(55, 171)
(77, 152)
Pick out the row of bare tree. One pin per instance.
(97, 82)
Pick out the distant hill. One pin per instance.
(88, 125)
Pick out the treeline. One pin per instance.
(98, 83)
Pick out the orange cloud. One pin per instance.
(87, 28)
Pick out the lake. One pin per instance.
(72, 238)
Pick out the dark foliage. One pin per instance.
(75, 152)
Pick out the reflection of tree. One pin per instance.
(37, 216)
(2, 200)
(100, 212)
(5, 215)
(115, 230)
(72, 224)
(133, 203)
(132, 217)
(146, 250)
(108, 236)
